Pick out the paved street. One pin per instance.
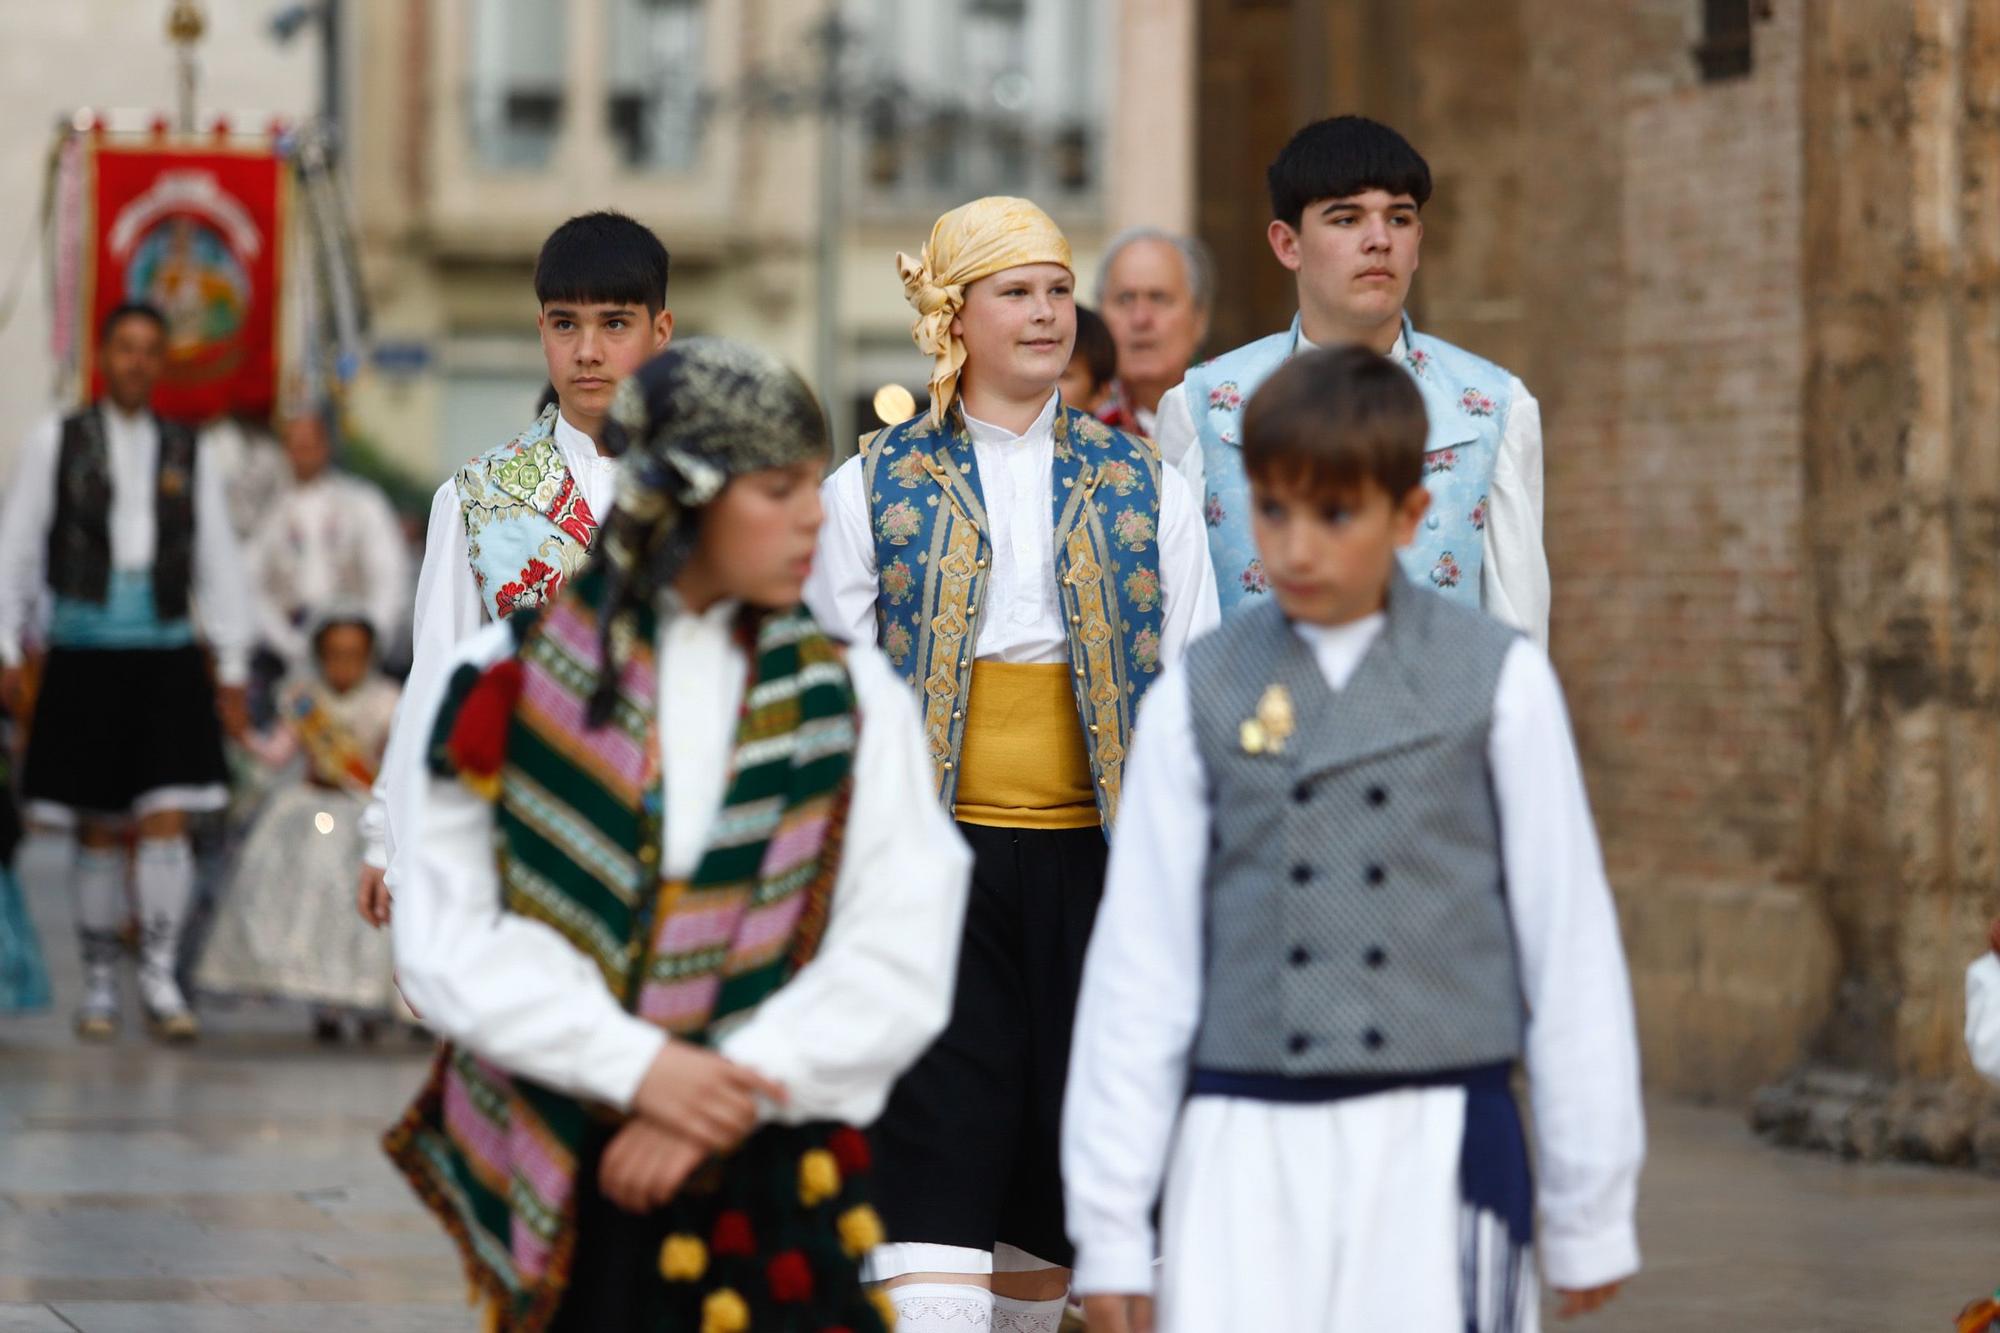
(236, 1187)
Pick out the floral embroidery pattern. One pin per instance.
(1226, 435)
(1418, 360)
(1253, 579)
(1142, 589)
(1146, 650)
(538, 585)
(1477, 404)
(1133, 529)
(899, 522)
(896, 642)
(1120, 477)
(1225, 396)
(1479, 515)
(1446, 572)
(1214, 512)
(908, 471)
(1444, 460)
(896, 582)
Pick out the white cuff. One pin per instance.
(614, 1061)
(10, 653)
(232, 667)
(1593, 1259)
(1119, 1268)
(375, 835)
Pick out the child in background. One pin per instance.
(285, 928)
(1088, 380)
(1355, 882)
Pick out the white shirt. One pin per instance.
(836, 1036)
(1514, 576)
(220, 591)
(1141, 995)
(449, 610)
(1022, 619)
(331, 543)
(1982, 1015)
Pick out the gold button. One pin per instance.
(649, 854)
(1079, 673)
(1076, 620)
(982, 562)
(1093, 728)
(961, 664)
(957, 713)
(947, 765)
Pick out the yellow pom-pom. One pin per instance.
(724, 1312)
(860, 1230)
(884, 1307)
(819, 1177)
(486, 786)
(683, 1258)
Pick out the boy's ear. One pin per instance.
(663, 328)
(1410, 511)
(1284, 239)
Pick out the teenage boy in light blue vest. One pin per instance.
(1355, 884)
(1347, 198)
(514, 523)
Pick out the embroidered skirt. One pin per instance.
(764, 1243)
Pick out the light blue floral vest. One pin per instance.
(527, 527)
(1467, 400)
(933, 545)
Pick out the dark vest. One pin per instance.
(79, 557)
(1355, 905)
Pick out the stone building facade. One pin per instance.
(1745, 256)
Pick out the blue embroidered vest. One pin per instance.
(933, 546)
(1467, 400)
(527, 528)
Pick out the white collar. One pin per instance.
(1355, 633)
(122, 420)
(1396, 353)
(575, 445)
(985, 432)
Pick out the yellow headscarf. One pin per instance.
(967, 244)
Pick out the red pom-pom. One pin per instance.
(791, 1278)
(849, 1148)
(478, 744)
(733, 1235)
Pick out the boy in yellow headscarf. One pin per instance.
(1029, 570)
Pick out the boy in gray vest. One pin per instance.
(1355, 882)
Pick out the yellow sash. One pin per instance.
(1024, 763)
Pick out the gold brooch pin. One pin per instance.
(1273, 724)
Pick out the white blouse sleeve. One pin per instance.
(1140, 1001)
(503, 986)
(1982, 1015)
(221, 579)
(1514, 581)
(841, 589)
(1582, 1044)
(1187, 575)
(840, 1033)
(27, 509)
(448, 611)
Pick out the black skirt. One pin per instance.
(968, 1152)
(115, 724)
(744, 1233)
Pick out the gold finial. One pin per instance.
(185, 23)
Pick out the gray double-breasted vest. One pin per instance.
(1356, 917)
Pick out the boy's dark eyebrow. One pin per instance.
(570, 312)
(1336, 205)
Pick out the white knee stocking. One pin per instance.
(942, 1307)
(1017, 1316)
(100, 903)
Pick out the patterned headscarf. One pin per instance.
(967, 244)
(701, 412)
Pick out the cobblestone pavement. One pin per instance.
(236, 1188)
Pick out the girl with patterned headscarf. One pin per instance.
(679, 907)
(1029, 571)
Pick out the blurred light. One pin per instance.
(323, 822)
(894, 404)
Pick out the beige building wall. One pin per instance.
(110, 56)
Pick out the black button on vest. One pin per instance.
(1376, 874)
(1303, 792)
(1377, 796)
(1300, 956)
(1372, 1039)
(1297, 1045)
(1375, 957)
(1301, 873)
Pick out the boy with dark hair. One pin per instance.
(1356, 881)
(1092, 373)
(122, 518)
(518, 520)
(1347, 197)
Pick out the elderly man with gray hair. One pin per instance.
(1155, 291)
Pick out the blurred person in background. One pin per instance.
(520, 519)
(1155, 289)
(331, 540)
(118, 516)
(1092, 373)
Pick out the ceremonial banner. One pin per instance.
(197, 232)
